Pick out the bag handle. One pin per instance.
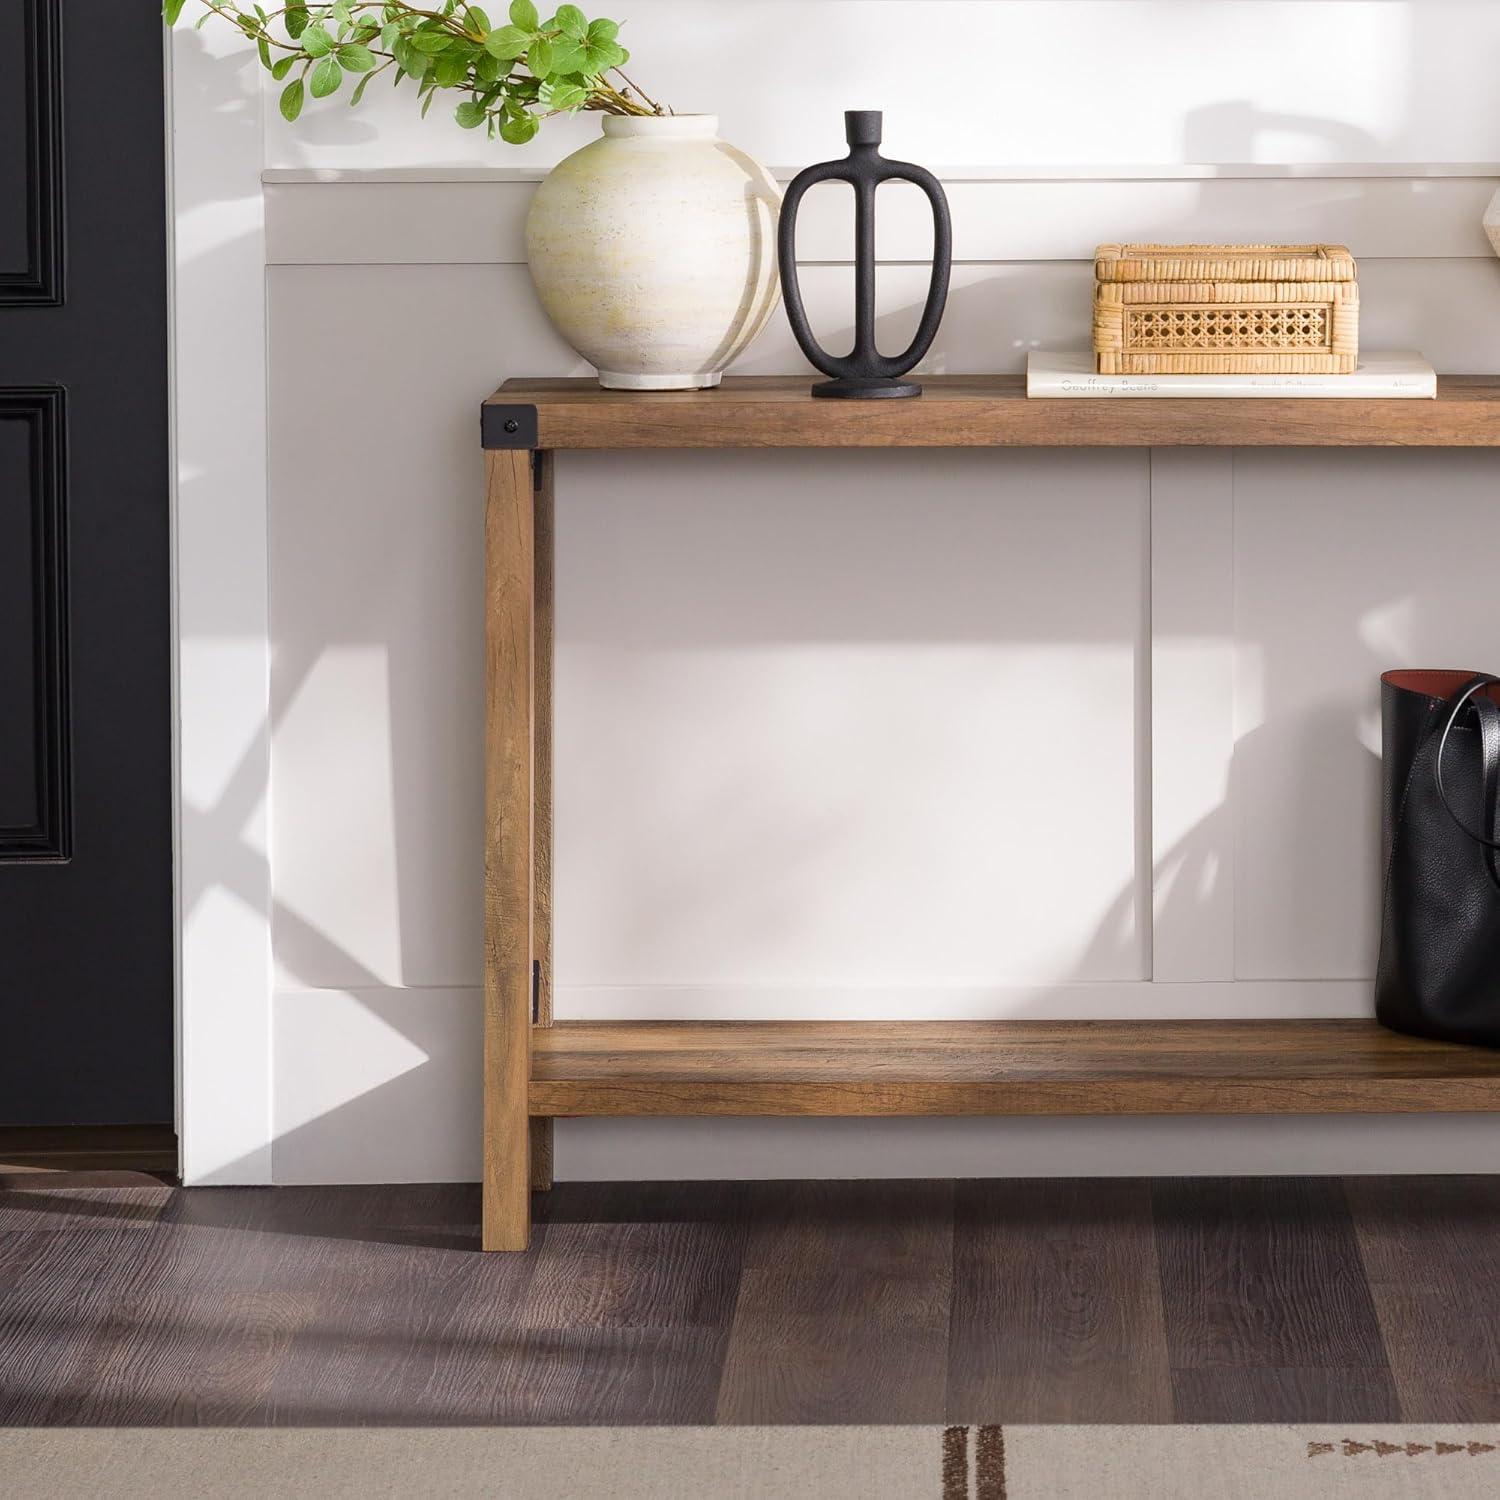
(1488, 715)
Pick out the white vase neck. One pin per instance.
(662, 127)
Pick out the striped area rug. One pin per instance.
(757, 1463)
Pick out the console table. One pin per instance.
(535, 1070)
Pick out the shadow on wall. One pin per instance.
(1238, 130)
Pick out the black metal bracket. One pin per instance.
(536, 991)
(507, 426)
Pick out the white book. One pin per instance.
(1401, 376)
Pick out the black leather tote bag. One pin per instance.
(1439, 971)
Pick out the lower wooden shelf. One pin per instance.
(1001, 1068)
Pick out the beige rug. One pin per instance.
(758, 1463)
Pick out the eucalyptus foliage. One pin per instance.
(515, 76)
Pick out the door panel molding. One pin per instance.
(39, 283)
(49, 836)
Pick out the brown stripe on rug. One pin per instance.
(989, 1464)
(986, 1479)
(955, 1463)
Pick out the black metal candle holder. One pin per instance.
(865, 372)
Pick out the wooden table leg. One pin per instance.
(510, 730)
(541, 921)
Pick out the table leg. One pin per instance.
(541, 921)
(510, 730)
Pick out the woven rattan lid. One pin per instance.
(1224, 263)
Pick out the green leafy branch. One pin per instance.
(515, 75)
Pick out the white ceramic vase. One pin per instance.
(1492, 222)
(653, 250)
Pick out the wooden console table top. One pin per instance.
(974, 411)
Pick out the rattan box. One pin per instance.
(1225, 310)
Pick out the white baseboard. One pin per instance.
(1177, 1146)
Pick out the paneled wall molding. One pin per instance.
(47, 835)
(465, 217)
(1192, 715)
(40, 281)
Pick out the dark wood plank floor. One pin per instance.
(123, 1300)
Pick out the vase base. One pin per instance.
(866, 388)
(613, 380)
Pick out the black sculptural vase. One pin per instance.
(865, 372)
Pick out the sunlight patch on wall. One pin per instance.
(338, 917)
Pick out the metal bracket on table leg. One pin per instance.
(506, 426)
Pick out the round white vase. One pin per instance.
(1492, 222)
(653, 250)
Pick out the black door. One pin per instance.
(86, 977)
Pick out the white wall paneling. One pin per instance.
(973, 734)
(1428, 278)
(474, 217)
(898, 591)
(837, 736)
(823, 722)
(1192, 713)
(378, 1084)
